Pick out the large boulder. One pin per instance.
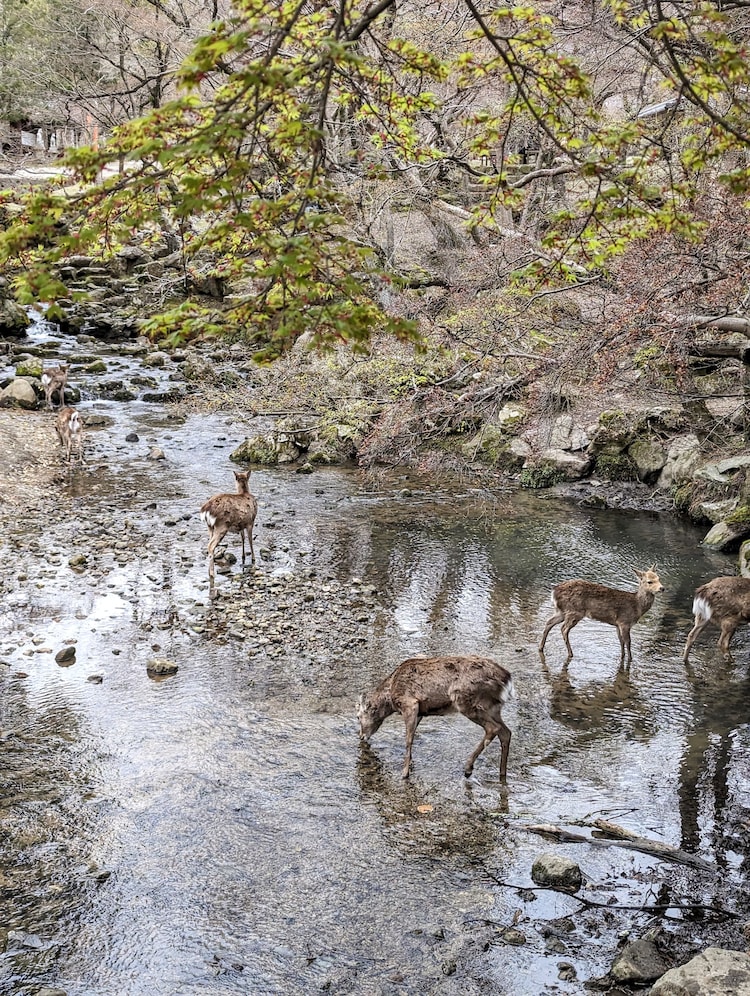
(683, 457)
(648, 458)
(713, 972)
(19, 393)
(566, 464)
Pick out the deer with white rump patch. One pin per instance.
(69, 428)
(576, 600)
(725, 602)
(230, 513)
(54, 379)
(476, 687)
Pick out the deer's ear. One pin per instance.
(637, 573)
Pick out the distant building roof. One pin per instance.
(651, 109)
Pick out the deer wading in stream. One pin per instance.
(54, 379)
(230, 513)
(725, 602)
(476, 687)
(576, 600)
(69, 428)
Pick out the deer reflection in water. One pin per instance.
(597, 709)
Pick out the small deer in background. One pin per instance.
(230, 513)
(69, 428)
(55, 379)
(725, 602)
(575, 600)
(434, 686)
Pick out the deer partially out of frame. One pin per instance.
(230, 513)
(725, 602)
(55, 379)
(434, 686)
(575, 600)
(69, 428)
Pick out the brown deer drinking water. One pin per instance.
(227, 513)
(69, 428)
(434, 686)
(725, 602)
(54, 380)
(575, 600)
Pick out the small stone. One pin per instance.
(156, 453)
(161, 667)
(95, 679)
(132, 437)
(66, 655)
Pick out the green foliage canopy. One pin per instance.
(284, 104)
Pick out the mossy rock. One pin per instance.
(615, 466)
(540, 476)
(31, 367)
(97, 367)
(258, 449)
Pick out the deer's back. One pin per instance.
(727, 596)
(235, 511)
(598, 601)
(443, 684)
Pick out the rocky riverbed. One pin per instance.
(236, 786)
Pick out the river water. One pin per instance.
(223, 831)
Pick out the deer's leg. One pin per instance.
(695, 632)
(552, 621)
(410, 713)
(728, 627)
(570, 622)
(252, 550)
(623, 632)
(215, 537)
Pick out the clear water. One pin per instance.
(224, 832)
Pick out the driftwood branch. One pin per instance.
(609, 834)
(641, 908)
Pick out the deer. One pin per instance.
(575, 600)
(724, 601)
(230, 513)
(476, 687)
(55, 379)
(69, 428)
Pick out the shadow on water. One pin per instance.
(223, 831)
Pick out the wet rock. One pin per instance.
(95, 679)
(511, 935)
(97, 367)
(306, 468)
(78, 562)
(156, 359)
(156, 453)
(66, 655)
(566, 972)
(714, 972)
(556, 872)
(132, 437)
(639, 962)
(161, 667)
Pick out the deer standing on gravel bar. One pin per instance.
(69, 428)
(55, 379)
(575, 600)
(230, 513)
(725, 602)
(435, 686)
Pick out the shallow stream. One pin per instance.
(222, 831)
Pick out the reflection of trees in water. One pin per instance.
(47, 829)
(712, 762)
(460, 831)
